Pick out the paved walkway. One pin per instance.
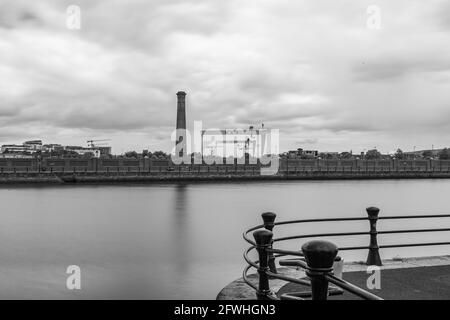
(402, 279)
(420, 283)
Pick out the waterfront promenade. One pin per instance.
(425, 278)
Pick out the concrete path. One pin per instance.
(402, 279)
(420, 283)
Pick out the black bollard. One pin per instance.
(269, 219)
(263, 239)
(373, 257)
(319, 256)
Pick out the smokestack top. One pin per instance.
(181, 93)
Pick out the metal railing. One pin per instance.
(317, 257)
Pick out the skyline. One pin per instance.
(241, 64)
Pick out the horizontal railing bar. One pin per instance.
(285, 252)
(320, 220)
(351, 288)
(340, 234)
(353, 248)
(422, 244)
(246, 238)
(398, 245)
(322, 235)
(280, 255)
(413, 230)
(421, 216)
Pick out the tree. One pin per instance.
(444, 154)
(427, 154)
(373, 154)
(326, 155)
(399, 155)
(70, 154)
(131, 154)
(346, 155)
(160, 154)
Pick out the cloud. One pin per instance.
(311, 69)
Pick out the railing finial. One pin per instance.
(319, 256)
(269, 219)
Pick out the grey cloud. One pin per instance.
(396, 67)
(307, 141)
(296, 67)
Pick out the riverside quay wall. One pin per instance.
(141, 170)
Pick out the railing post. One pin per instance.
(263, 239)
(373, 258)
(319, 256)
(269, 219)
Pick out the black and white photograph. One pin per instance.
(227, 156)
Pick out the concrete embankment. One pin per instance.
(30, 178)
(123, 177)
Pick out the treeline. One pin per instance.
(373, 154)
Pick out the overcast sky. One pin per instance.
(313, 69)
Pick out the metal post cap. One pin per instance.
(262, 237)
(373, 212)
(320, 254)
(268, 217)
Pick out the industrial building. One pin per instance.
(234, 142)
(30, 148)
(222, 143)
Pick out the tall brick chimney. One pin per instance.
(181, 123)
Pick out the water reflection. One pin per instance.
(181, 243)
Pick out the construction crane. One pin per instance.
(93, 143)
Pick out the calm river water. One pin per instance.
(183, 241)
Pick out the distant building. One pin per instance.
(308, 153)
(82, 151)
(14, 148)
(104, 151)
(33, 144)
(301, 153)
(28, 147)
(329, 154)
(52, 147)
(434, 153)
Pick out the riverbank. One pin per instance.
(176, 176)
